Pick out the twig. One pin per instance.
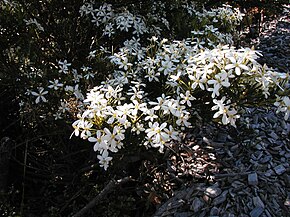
(108, 189)
(24, 176)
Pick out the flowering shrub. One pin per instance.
(155, 87)
(224, 78)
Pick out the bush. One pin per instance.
(150, 69)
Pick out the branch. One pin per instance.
(108, 189)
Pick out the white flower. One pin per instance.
(167, 65)
(124, 21)
(100, 143)
(77, 92)
(109, 30)
(95, 98)
(175, 108)
(110, 92)
(183, 120)
(198, 79)
(114, 115)
(158, 135)
(220, 80)
(63, 65)
(237, 64)
(92, 54)
(119, 133)
(55, 84)
(232, 117)
(89, 75)
(284, 106)
(86, 68)
(104, 160)
(160, 102)
(150, 115)
(228, 115)
(220, 106)
(198, 44)
(126, 124)
(76, 76)
(87, 8)
(172, 133)
(138, 128)
(77, 126)
(135, 93)
(154, 129)
(57, 116)
(125, 110)
(40, 95)
(211, 28)
(86, 129)
(63, 107)
(111, 140)
(138, 107)
(186, 98)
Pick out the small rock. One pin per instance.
(256, 212)
(214, 211)
(274, 135)
(222, 137)
(213, 191)
(265, 159)
(287, 179)
(282, 153)
(280, 169)
(259, 147)
(237, 184)
(269, 173)
(253, 179)
(272, 118)
(183, 214)
(196, 205)
(258, 202)
(220, 199)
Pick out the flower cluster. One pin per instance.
(188, 76)
(214, 26)
(112, 20)
(222, 75)
(110, 114)
(221, 72)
